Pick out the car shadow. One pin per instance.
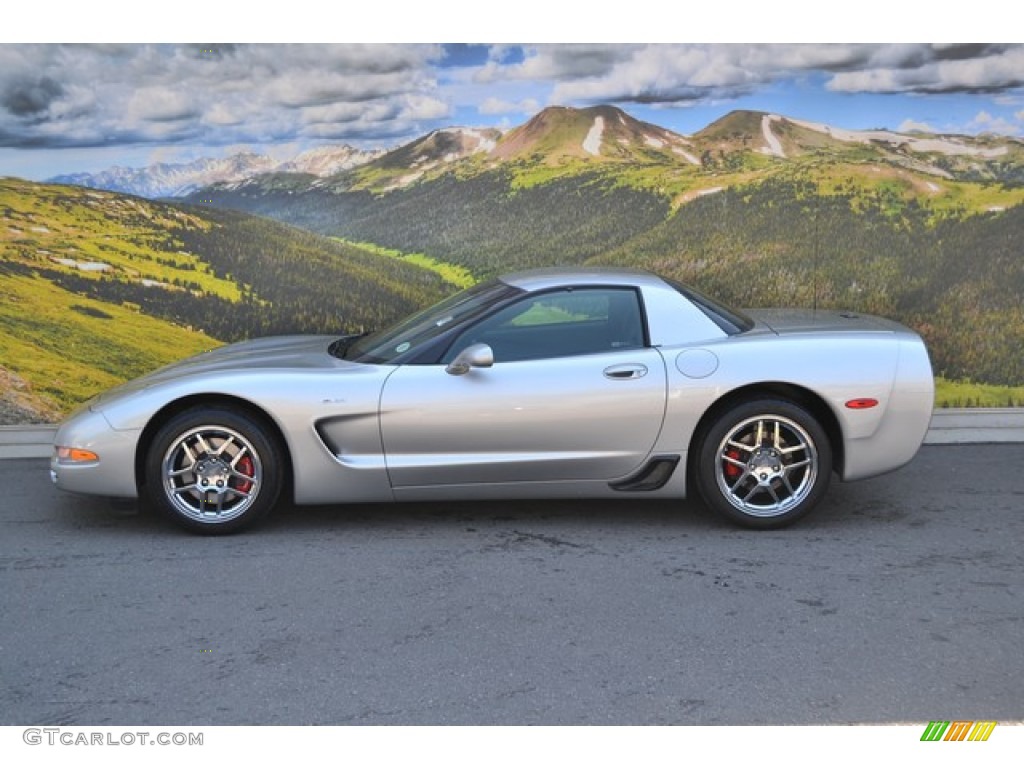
(130, 517)
(844, 506)
(603, 512)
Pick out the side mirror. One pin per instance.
(473, 356)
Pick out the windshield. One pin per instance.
(412, 332)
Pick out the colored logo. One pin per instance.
(958, 730)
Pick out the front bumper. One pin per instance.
(112, 474)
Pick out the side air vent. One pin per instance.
(650, 477)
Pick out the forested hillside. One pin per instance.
(97, 287)
(480, 223)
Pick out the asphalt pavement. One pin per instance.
(900, 600)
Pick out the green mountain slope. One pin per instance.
(97, 287)
(480, 223)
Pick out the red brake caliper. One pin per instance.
(246, 467)
(731, 470)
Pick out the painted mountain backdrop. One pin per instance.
(758, 209)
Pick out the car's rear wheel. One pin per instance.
(764, 464)
(213, 470)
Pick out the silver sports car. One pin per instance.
(544, 384)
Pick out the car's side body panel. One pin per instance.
(835, 371)
(589, 417)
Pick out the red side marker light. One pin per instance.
(859, 403)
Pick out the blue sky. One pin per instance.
(88, 107)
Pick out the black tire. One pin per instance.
(213, 470)
(763, 464)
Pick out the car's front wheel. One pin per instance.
(213, 470)
(764, 464)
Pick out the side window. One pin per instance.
(559, 324)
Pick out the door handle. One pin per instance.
(625, 371)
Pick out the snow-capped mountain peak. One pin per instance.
(181, 179)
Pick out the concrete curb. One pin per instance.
(954, 426)
(31, 441)
(950, 426)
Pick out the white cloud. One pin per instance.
(670, 73)
(556, 62)
(984, 122)
(98, 95)
(160, 104)
(222, 115)
(673, 73)
(419, 106)
(492, 105)
(52, 95)
(910, 125)
(937, 69)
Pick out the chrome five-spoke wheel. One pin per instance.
(213, 470)
(212, 473)
(767, 465)
(764, 464)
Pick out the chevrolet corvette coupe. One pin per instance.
(546, 384)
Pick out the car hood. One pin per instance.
(272, 352)
(276, 352)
